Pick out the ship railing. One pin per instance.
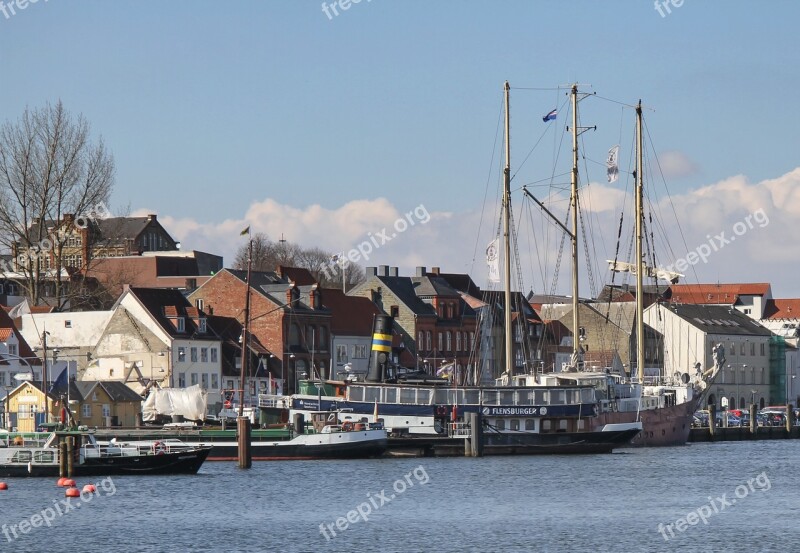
(274, 401)
(458, 430)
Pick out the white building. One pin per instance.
(688, 334)
(155, 337)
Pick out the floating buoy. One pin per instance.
(60, 482)
(3, 486)
(72, 492)
(89, 488)
(68, 483)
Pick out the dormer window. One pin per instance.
(202, 325)
(180, 324)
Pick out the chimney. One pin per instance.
(435, 270)
(289, 295)
(393, 271)
(151, 217)
(420, 271)
(311, 297)
(371, 271)
(383, 270)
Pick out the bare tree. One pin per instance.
(268, 255)
(49, 168)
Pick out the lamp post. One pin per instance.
(738, 382)
(753, 397)
(286, 373)
(788, 380)
(296, 381)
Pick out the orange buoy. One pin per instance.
(89, 488)
(68, 483)
(3, 486)
(72, 492)
(60, 482)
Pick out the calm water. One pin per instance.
(575, 504)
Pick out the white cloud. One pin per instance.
(676, 165)
(765, 252)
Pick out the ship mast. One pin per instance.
(639, 256)
(576, 353)
(507, 240)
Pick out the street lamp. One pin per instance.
(753, 397)
(787, 387)
(302, 376)
(738, 382)
(286, 373)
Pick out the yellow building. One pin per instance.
(94, 404)
(107, 403)
(26, 406)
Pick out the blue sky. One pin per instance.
(213, 107)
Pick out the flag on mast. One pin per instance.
(23, 308)
(245, 231)
(550, 116)
(493, 260)
(612, 164)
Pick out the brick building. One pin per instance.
(287, 316)
(433, 325)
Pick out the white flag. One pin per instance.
(22, 309)
(612, 165)
(493, 260)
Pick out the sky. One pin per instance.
(330, 127)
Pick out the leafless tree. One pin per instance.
(269, 254)
(49, 167)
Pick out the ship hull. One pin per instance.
(667, 426)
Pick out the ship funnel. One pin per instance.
(381, 348)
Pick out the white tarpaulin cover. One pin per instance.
(189, 402)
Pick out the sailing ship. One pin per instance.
(516, 419)
(665, 406)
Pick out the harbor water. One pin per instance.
(730, 497)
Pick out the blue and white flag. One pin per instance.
(59, 387)
(550, 116)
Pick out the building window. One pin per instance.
(294, 335)
(106, 410)
(87, 410)
(204, 381)
(458, 341)
(449, 341)
(359, 352)
(762, 348)
(214, 381)
(202, 325)
(394, 311)
(214, 357)
(194, 355)
(501, 424)
(12, 349)
(181, 354)
(180, 324)
(181, 380)
(341, 353)
(741, 348)
(420, 340)
(428, 342)
(323, 339)
(199, 304)
(194, 379)
(67, 324)
(733, 348)
(472, 340)
(753, 349)
(441, 341)
(204, 355)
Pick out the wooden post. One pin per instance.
(70, 457)
(789, 419)
(476, 422)
(62, 459)
(753, 420)
(243, 432)
(712, 420)
(139, 421)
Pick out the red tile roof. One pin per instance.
(7, 327)
(782, 309)
(711, 294)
